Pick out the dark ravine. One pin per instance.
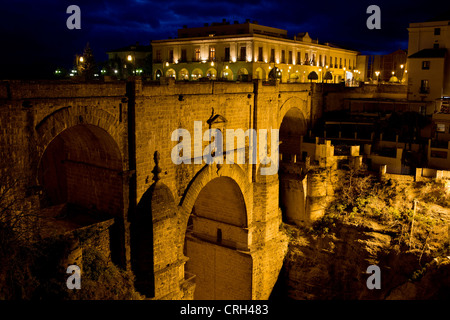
(333, 266)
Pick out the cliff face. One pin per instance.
(335, 267)
(409, 243)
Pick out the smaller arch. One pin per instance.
(206, 174)
(183, 74)
(211, 73)
(171, 73)
(197, 74)
(158, 74)
(260, 73)
(227, 74)
(328, 76)
(313, 76)
(275, 73)
(243, 74)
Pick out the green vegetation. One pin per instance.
(34, 271)
(417, 215)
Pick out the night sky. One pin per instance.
(35, 39)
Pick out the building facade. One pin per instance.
(390, 67)
(246, 51)
(429, 72)
(128, 61)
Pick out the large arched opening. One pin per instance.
(216, 241)
(292, 182)
(80, 173)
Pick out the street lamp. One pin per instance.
(377, 73)
(401, 67)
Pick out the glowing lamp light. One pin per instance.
(167, 64)
(401, 66)
(265, 60)
(115, 71)
(233, 59)
(212, 64)
(393, 72)
(81, 59)
(129, 57)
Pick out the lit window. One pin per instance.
(425, 65)
(212, 54)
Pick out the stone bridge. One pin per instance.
(187, 231)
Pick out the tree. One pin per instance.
(87, 66)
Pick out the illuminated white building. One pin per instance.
(245, 51)
(429, 69)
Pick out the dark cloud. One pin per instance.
(34, 34)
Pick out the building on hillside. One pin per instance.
(128, 61)
(429, 72)
(246, 51)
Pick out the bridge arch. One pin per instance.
(58, 121)
(80, 173)
(292, 183)
(217, 237)
(80, 165)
